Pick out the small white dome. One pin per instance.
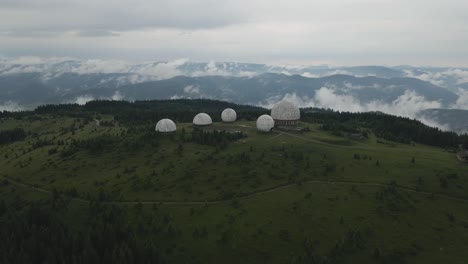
(265, 123)
(202, 119)
(285, 110)
(165, 125)
(228, 115)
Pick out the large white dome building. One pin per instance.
(202, 119)
(166, 126)
(229, 115)
(285, 113)
(265, 123)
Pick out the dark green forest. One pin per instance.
(92, 220)
(35, 232)
(399, 129)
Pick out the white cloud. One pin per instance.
(301, 101)
(310, 75)
(81, 100)
(161, 70)
(10, 106)
(22, 17)
(433, 78)
(117, 96)
(55, 66)
(462, 101)
(211, 69)
(192, 89)
(132, 73)
(32, 60)
(433, 123)
(327, 73)
(350, 86)
(282, 31)
(174, 97)
(327, 98)
(337, 72)
(460, 75)
(442, 78)
(99, 66)
(408, 104)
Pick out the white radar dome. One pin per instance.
(228, 115)
(265, 123)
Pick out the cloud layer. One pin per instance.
(410, 104)
(291, 31)
(445, 77)
(334, 96)
(134, 72)
(10, 106)
(83, 99)
(158, 70)
(94, 18)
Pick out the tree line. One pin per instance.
(36, 232)
(394, 128)
(400, 129)
(12, 135)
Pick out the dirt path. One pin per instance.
(318, 141)
(260, 192)
(280, 132)
(353, 147)
(275, 136)
(250, 195)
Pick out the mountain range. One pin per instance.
(400, 90)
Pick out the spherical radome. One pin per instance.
(202, 119)
(285, 110)
(265, 123)
(166, 125)
(228, 115)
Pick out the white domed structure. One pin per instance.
(265, 123)
(166, 126)
(229, 115)
(285, 113)
(202, 119)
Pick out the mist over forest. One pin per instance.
(414, 92)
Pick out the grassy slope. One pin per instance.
(313, 204)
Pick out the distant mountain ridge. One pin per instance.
(454, 119)
(400, 90)
(142, 72)
(29, 88)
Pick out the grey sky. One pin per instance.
(345, 32)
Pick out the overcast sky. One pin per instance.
(344, 32)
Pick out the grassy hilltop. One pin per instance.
(103, 179)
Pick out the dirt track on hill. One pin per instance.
(260, 192)
(250, 195)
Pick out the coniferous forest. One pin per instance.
(95, 183)
(400, 129)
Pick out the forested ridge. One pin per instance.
(12, 135)
(96, 184)
(394, 128)
(37, 232)
(400, 129)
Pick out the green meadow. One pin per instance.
(277, 197)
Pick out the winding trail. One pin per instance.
(264, 191)
(253, 194)
(280, 132)
(318, 141)
(347, 147)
